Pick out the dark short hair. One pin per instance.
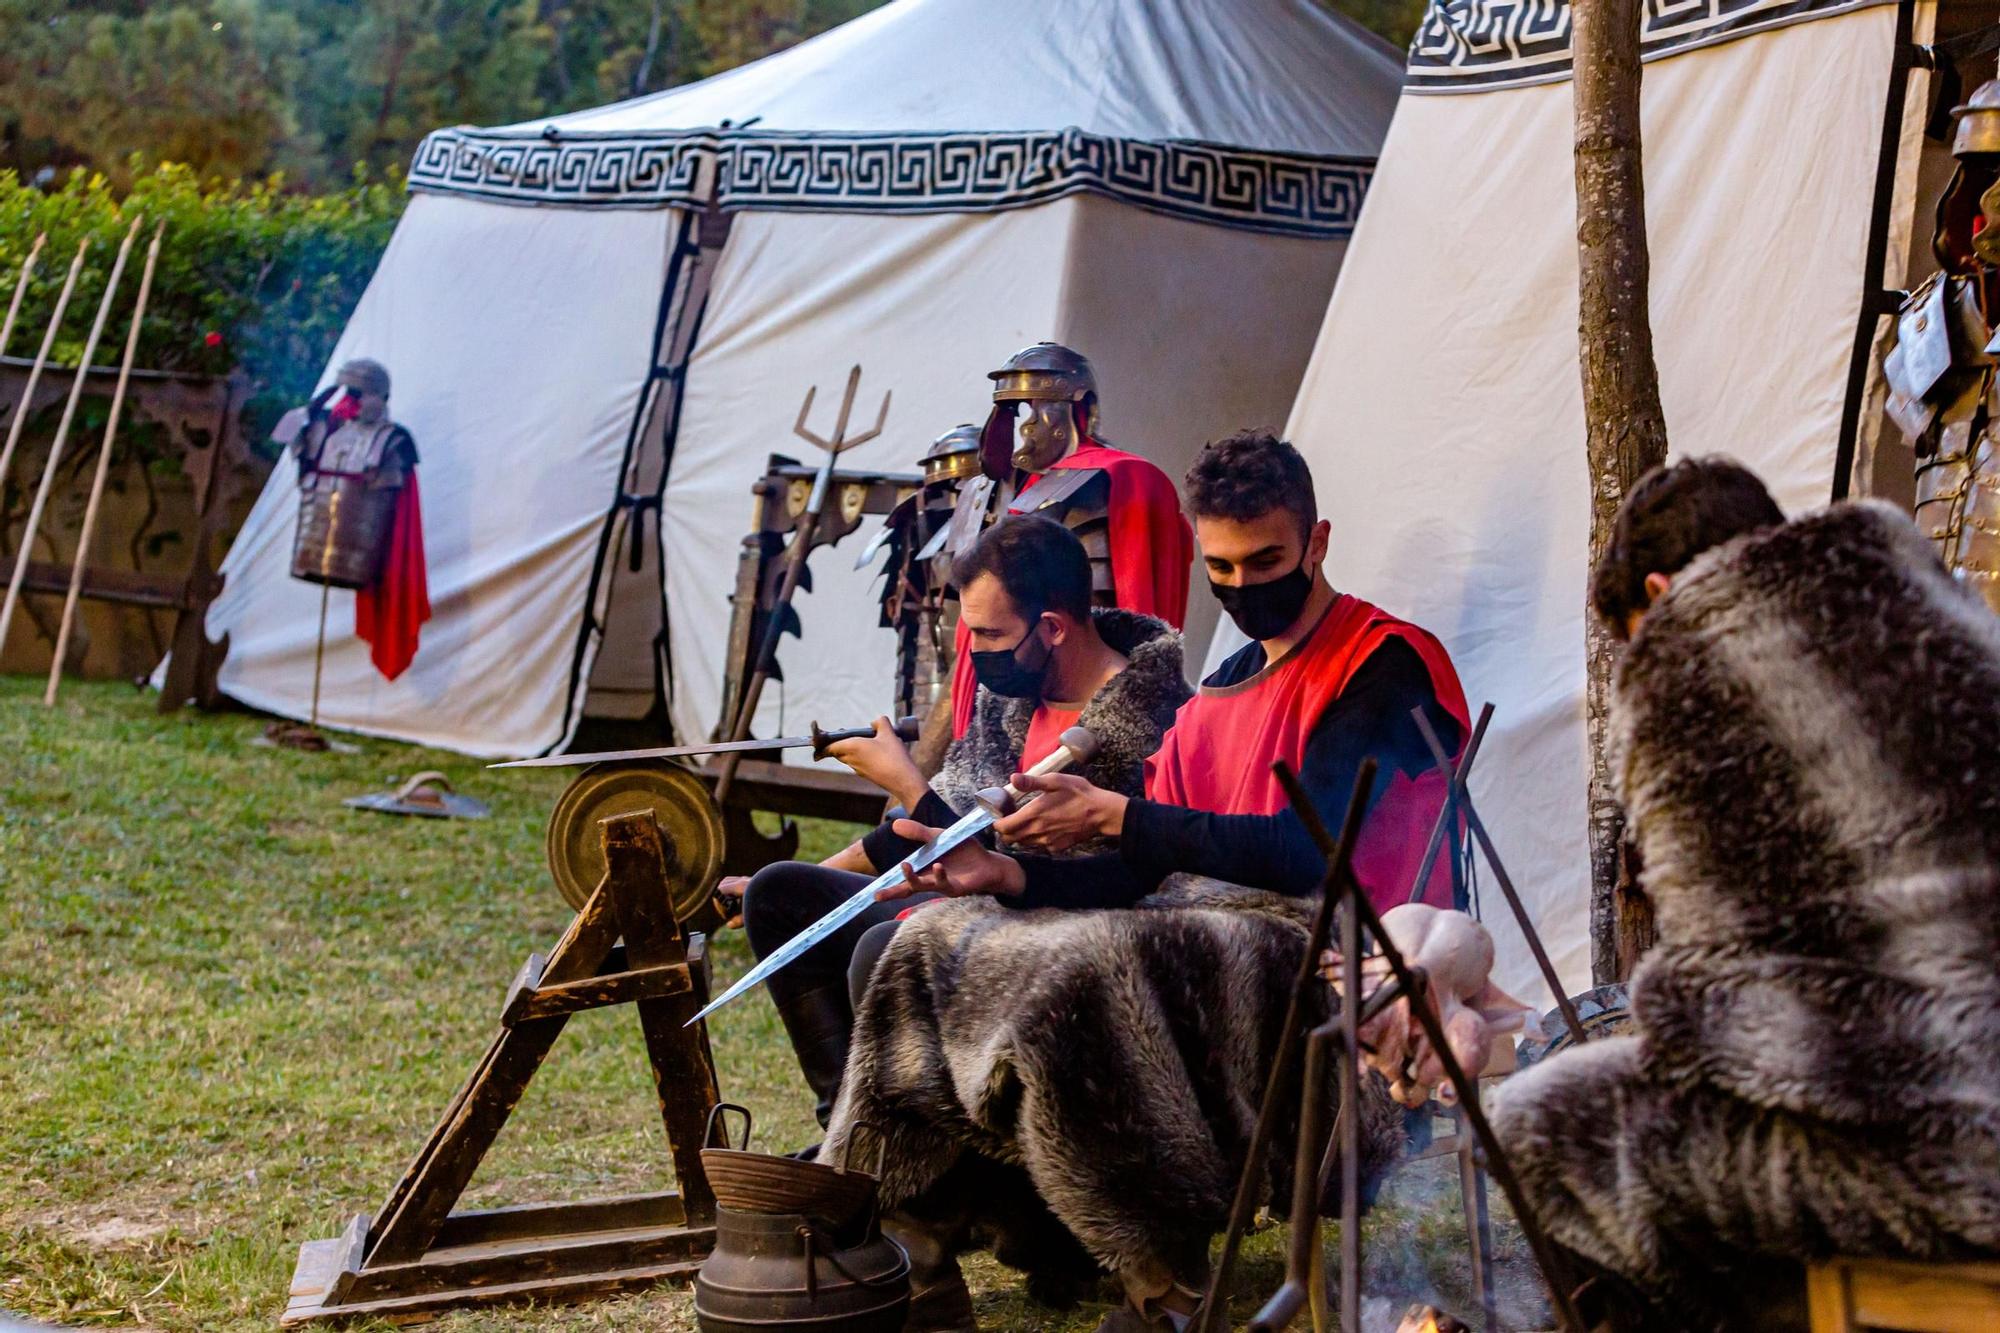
(1673, 514)
(1248, 475)
(1039, 562)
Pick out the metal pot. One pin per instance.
(799, 1269)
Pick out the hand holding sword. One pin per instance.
(1078, 747)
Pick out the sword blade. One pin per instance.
(968, 826)
(667, 752)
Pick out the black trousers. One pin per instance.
(784, 899)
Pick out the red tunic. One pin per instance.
(1219, 754)
(1152, 549)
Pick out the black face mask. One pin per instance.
(1266, 610)
(1002, 671)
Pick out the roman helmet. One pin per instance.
(1061, 394)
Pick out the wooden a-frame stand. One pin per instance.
(416, 1258)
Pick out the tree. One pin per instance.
(1625, 428)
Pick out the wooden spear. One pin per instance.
(62, 432)
(41, 360)
(103, 471)
(20, 290)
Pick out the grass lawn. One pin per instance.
(230, 1008)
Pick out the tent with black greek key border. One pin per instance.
(1442, 410)
(1167, 185)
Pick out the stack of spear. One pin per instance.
(22, 411)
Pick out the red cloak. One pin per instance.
(1152, 549)
(389, 613)
(1218, 755)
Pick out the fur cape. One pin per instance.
(1129, 715)
(1807, 742)
(1117, 1057)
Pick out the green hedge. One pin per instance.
(250, 275)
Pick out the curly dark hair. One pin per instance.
(1248, 475)
(1039, 562)
(1673, 514)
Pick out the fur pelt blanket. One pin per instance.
(1807, 742)
(1118, 1057)
(1129, 715)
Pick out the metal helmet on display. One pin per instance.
(1061, 392)
(953, 456)
(365, 375)
(1978, 132)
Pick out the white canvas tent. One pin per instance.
(1165, 184)
(1442, 414)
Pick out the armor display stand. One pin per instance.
(416, 1257)
(319, 655)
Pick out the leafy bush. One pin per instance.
(250, 275)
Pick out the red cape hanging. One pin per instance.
(1152, 548)
(389, 614)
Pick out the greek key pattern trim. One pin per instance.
(1290, 193)
(1476, 45)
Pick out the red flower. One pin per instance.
(212, 338)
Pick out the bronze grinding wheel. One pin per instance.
(689, 822)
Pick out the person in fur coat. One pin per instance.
(1806, 732)
(1046, 662)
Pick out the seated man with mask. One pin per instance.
(1119, 1055)
(1045, 662)
(1326, 681)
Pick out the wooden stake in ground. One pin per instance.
(20, 290)
(62, 432)
(41, 360)
(1625, 430)
(103, 470)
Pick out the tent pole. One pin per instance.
(1876, 301)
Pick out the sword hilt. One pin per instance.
(907, 729)
(1079, 747)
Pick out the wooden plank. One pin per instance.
(1923, 1298)
(636, 866)
(596, 992)
(793, 789)
(408, 1231)
(428, 1305)
(618, 1212)
(1826, 1298)
(353, 1244)
(527, 979)
(102, 584)
(530, 1259)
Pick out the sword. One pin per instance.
(1079, 746)
(819, 740)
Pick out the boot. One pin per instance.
(818, 1022)
(940, 1302)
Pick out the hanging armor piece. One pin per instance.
(1940, 370)
(352, 462)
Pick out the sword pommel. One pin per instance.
(1078, 747)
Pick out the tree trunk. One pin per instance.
(1624, 428)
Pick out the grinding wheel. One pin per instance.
(689, 824)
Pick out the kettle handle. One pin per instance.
(880, 1141)
(715, 1119)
